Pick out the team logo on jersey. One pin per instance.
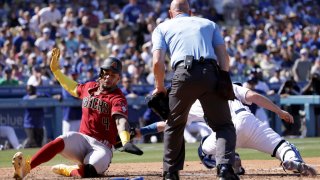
(124, 109)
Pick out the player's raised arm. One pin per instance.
(67, 83)
(266, 103)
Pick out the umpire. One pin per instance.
(194, 45)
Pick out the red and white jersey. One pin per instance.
(97, 111)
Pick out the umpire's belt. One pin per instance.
(194, 62)
(240, 110)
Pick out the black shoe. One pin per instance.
(237, 166)
(171, 175)
(225, 172)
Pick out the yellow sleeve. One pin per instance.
(67, 83)
(125, 137)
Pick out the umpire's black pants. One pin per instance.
(188, 85)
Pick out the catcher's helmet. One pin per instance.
(113, 64)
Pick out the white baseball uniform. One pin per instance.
(251, 132)
(196, 125)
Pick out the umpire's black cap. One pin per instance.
(113, 64)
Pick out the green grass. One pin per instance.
(309, 147)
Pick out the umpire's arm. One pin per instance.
(222, 57)
(159, 71)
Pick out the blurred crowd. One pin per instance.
(278, 39)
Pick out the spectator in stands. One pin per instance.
(44, 42)
(71, 41)
(50, 17)
(267, 64)
(33, 121)
(37, 78)
(85, 29)
(131, 12)
(24, 35)
(84, 66)
(277, 77)
(91, 75)
(7, 79)
(69, 16)
(229, 46)
(94, 20)
(302, 67)
(123, 30)
(34, 22)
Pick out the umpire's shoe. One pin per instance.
(237, 166)
(21, 166)
(225, 172)
(171, 175)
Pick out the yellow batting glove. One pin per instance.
(54, 63)
(125, 137)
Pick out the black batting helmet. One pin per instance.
(113, 64)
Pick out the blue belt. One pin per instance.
(240, 110)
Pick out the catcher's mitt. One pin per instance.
(159, 103)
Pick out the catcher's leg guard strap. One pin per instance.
(287, 151)
(90, 171)
(276, 148)
(296, 151)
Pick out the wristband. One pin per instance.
(125, 137)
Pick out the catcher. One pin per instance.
(251, 132)
(104, 115)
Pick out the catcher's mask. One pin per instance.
(111, 63)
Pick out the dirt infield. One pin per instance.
(255, 169)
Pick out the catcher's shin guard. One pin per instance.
(207, 160)
(296, 151)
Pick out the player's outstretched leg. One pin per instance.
(207, 160)
(63, 169)
(21, 166)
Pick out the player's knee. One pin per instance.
(90, 171)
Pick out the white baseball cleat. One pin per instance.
(63, 169)
(299, 167)
(21, 166)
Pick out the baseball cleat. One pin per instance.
(207, 160)
(63, 169)
(237, 166)
(299, 167)
(21, 166)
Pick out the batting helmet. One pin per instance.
(113, 64)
